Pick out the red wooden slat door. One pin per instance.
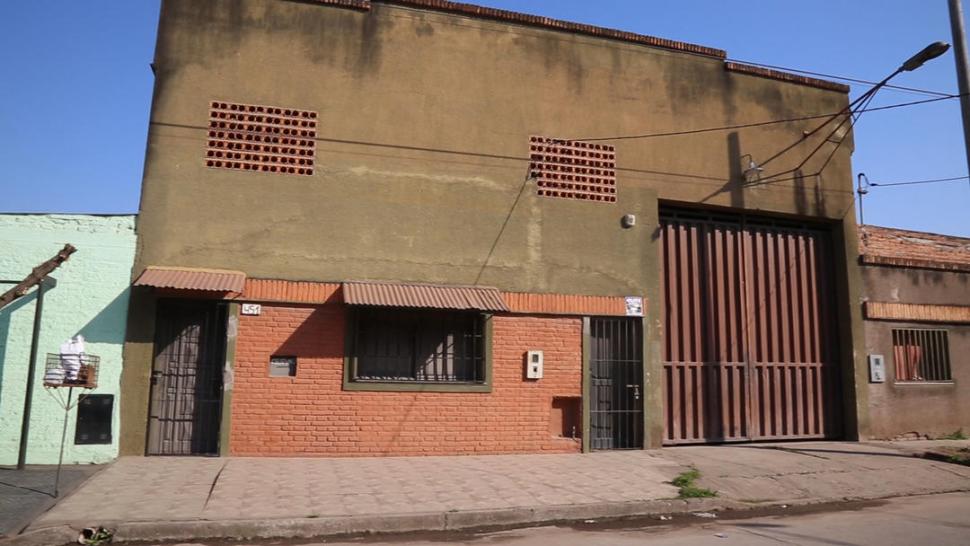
(748, 330)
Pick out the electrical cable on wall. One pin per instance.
(766, 122)
(914, 90)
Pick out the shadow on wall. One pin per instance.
(6, 315)
(304, 341)
(108, 326)
(735, 183)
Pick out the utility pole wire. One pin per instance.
(851, 117)
(843, 78)
(912, 182)
(762, 123)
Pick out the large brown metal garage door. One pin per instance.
(750, 329)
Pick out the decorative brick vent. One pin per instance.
(261, 138)
(574, 170)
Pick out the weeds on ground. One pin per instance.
(955, 435)
(961, 456)
(688, 490)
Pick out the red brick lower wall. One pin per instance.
(311, 415)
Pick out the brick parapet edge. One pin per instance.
(495, 14)
(483, 12)
(914, 263)
(785, 77)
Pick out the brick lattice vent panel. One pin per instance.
(573, 170)
(261, 138)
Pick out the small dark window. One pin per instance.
(921, 355)
(94, 419)
(282, 366)
(419, 346)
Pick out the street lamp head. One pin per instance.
(929, 52)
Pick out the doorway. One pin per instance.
(186, 381)
(750, 329)
(616, 383)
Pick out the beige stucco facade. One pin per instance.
(927, 408)
(423, 156)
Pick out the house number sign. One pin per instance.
(251, 309)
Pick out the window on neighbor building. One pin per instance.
(921, 355)
(419, 346)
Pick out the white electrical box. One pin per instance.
(877, 369)
(533, 365)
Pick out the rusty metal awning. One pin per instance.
(184, 278)
(430, 296)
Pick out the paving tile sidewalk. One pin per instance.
(185, 498)
(181, 489)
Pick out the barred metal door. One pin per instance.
(186, 398)
(749, 337)
(616, 383)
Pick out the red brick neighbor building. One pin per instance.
(917, 309)
(407, 227)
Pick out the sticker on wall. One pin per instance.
(266, 139)
(634, 306)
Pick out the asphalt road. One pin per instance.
(940, 520)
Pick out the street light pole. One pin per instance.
(963, 68)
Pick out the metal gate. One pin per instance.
(186, 398)
(616, 383)
(750, 329)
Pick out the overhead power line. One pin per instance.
(764, 123)
(843, 78)
(912, 182)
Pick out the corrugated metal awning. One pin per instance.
(431, 296)
(184, 278)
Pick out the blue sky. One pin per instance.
(75, 90)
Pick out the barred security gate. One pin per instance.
(750, 329)
(186, 395)
(616, 383)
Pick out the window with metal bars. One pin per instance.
(423, 346)
(921, 355)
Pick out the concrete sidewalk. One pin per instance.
(182, 498)
(799, 473)
(28, 493)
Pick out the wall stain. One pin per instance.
(478, 181)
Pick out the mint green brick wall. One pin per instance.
(91, 298)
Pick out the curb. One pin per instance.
(375, 524)
(368, 524)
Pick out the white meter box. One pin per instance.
(533, 364)
(877, 369)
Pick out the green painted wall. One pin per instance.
(91, 299)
